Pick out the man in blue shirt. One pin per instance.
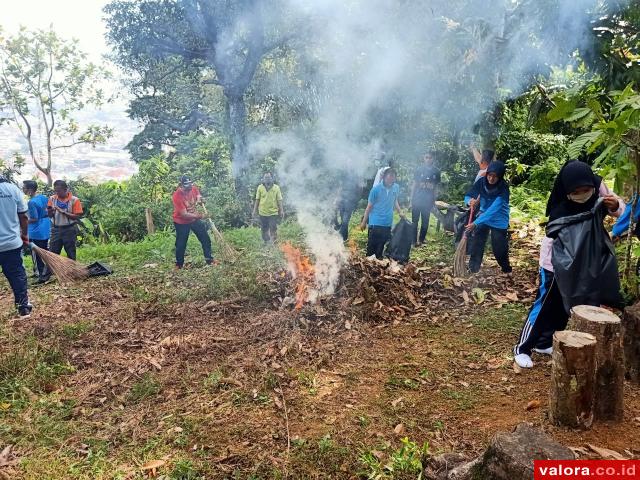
(39, 226)
(383, 199)
(13, 235)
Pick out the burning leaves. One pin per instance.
(302, 271)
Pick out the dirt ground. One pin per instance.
(239, 389)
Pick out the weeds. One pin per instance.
(403, 463)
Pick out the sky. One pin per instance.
(80, 19)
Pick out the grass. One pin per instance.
(148, 386)
(73, 331)
(28, 367)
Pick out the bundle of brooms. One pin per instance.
(65, 269)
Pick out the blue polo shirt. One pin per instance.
(383, 200)
(38, 210)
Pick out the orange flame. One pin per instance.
(302, 271)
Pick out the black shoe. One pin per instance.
(42, 280)
(25, 310)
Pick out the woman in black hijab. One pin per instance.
(575, 190)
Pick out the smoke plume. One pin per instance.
(376, 71)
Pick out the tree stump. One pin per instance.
(605, 326)
(510, 455)
(631, 342)
(573, 373)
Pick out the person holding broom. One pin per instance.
(65, 211)
(13, 235)
(39, 226)
(187, 219)
(576, 190)
(490, 196)
(378, 215)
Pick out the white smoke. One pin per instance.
(379, 64)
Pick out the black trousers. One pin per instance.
(422, 210)
(38, 265)
(13, 269)
(269, 228)
(64, 237)
(182, 236)
(546, 316)
(378, 238)
(499, 245)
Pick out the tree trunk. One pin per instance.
(573, 372)
(151, 228)
(605, 326)
(237, 112)
(631, 342)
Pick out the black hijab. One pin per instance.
(572, 175)
(492, 191)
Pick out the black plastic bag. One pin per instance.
(98, 269)
(461, 222)
(402, 237)
(584, 260)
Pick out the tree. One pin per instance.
(220, 41)
(45, 81)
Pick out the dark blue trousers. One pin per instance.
(13, 269)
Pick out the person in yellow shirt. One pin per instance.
(268, 207)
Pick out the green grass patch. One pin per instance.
(28, 366)
(148, 386)
(462, 399)
(74, 330)
(507, 319)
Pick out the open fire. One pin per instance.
(302, 270)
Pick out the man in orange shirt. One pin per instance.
(65, 212)
(186, 220)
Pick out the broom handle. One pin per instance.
(471, 214)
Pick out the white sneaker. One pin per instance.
(544, 351)
(523, 360)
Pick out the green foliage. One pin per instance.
(407, 462)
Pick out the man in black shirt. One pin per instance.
(423, 195)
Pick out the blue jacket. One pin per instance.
(622, 224)
(494, 206)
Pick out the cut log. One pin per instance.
(573, 373)
(510, 455)
(609, 390)
(631, 342)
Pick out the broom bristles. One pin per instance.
(65, 269)
(460, 257)
(227, 251)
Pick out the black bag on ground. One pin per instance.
(584, 260)
(98, 269)
(402, 238)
